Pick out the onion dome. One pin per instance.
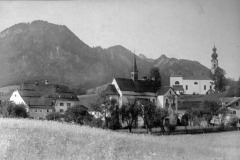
(214, 55)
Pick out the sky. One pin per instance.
(186, 29)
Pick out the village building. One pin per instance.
(198, 82)
(41, 99)
(144, 89)
(234, 106)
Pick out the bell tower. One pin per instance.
(214, 60)
(134, 73)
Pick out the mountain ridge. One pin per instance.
(42, 50)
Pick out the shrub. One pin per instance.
(54, 116)
(19, 111)
(77, 114)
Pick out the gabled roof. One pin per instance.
(137, 85)
(235, 99)
(111, 90)
(164, 90)
(6, 96)
(108, 89)
(178, 88)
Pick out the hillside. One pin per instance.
(31, 140)
(186, 68)
(42, 50)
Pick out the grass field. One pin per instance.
(30, 140)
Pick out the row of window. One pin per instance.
(204, 87)
(62, 104)
(40, 110)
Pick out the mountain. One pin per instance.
(145, 58)
(42, 50)
(186, 68)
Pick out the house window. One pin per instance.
(69, 104)
(61, 104)
(61, 110)
(177, 82)
(35, 110)
(210, 86)
(47, 110)
(40, 110)
(170, 92)
(205, 87)
(234, 112)
(195, 83)
(237, 103)
(186, 87)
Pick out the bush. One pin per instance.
(95, 122)
(231, 121)
(18, 111)
(77, 114)
(54, 116)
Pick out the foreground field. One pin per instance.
(30, 139)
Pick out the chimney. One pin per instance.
(46, 82)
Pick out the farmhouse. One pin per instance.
(43, 98)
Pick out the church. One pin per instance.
(144, 89)
(197, 83)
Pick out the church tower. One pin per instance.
(134, 73)
(214, 60)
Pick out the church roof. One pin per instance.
(137, 85)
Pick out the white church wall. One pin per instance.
(174, 79)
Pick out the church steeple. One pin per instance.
(134, 73)
(214, 60)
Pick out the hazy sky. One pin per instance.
(185, 29)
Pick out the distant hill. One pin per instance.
(186, 68)
(42, 50)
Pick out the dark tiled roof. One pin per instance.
(235, 99)
(108, 89)
(89, 100)
(197, 78)
(111, 90)
(6, 96)
(136, 86)
(177, 88)
(163, 90)
(42, 96)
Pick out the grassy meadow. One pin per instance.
(22, 139)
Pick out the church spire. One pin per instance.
(214, 60)
(134, 73)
